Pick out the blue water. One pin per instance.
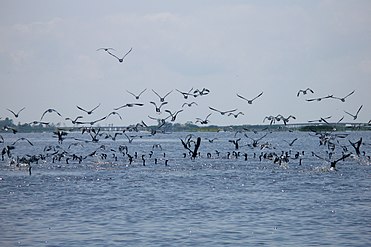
(211, 201)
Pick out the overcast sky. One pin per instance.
(48, 58)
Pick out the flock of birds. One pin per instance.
(191, 144)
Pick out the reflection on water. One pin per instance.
(202, 202)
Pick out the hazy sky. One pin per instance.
(48, 58)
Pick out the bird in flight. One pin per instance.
(16, 115)
(118, 58)
(343, 99)
(173, 115)
(135, 95)
(87, 111)
(158, 108)
(249, 101)
(129, 105)
(222, 112)
(50, 110)
(162, 99)
(203, 121)
(321, 98)
(356, 115)
(305, 91)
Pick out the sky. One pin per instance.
(49, 59)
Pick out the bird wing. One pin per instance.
(241, 97)
(126, 53)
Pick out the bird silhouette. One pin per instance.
(343, 98)
(320, 98)
(249, 101)
(356, 115)
(128, 105)
(158, 108)
(22, 139)
(118, 58)
(173, 115)
(236, 115)
(89, 112)
(50, 110)
(162, 99)
(16, 115)
(137, 95)
(222, 112)
(304, 91)
(186, 94)
(203, 121)
(189, 104)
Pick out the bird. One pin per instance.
(105, 49)
(356, 115)
(320, 98)
(189, 104)
(137, 95)
(162, 99)
(249, 101)
(173, 115)
(222, 112)
(202, 92)
(186, 94)
(203, 121)
(114, 113)
(285, 120)
(305, 91)
(74, 121)
(291, 143)
(129, 105)
(118, 58)
(158, 108)
(16, 115)
(236, 115)
(87, 111)
(322, 119)
(24, 139)
(50, 110)
(94, 121)
(343, 98)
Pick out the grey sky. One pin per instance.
(48, 58)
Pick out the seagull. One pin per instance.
(74, 121)
(343, 99)
(222, 112)
(203, 121)
(249, 101)
(356, 115)
(185, 94)
(305, 91)
(291, 143)
(50, 110)
(135, 95)
(322, 119)
(128, 105)
(16, 115)
(88, 112)
(114, 113)
(162, 99)
(201, 92)
(105, 49)
(158, 108)
(120, 59)
(279, 117)
(95, 121)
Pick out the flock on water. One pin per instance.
(247, 143)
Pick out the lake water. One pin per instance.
(212, 200)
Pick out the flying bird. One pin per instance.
(173, 115)
(356, 115)
(222, 112)
(236, 115)
(158, 108)
(50, 110)
(189, 104)
(118, 58)
(305, 91)
(203, 121)
(128, 105)
(137, 95)
(16, 115)
(249, 101)
(22, 139)
(87, 111)
(320, 98)
(162, 99)
(343, 99)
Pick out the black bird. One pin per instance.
(249, 101)
(173, 115)
(50, 110)
(22, 139)
(222, 112)
(16, 115)
(128, 105)
(356, 115)
(162, 99)
(158, 108)
(356, 145)
(203, 121)
(343, 99)
(305, 91)
(135, 95)
(118, 58)
(87, 111)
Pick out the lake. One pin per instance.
(268, 192)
